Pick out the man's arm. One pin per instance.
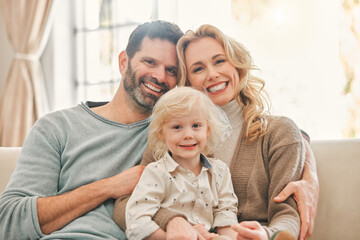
(305, 192)
(57, 211)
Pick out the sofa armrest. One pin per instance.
(338, 165)
(8, 158)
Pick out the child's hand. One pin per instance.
(250, 230)
(200, 228)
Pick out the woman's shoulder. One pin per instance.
(281, 127)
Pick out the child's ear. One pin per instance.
(160, 135)
(208, 131)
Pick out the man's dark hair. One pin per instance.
(155, 29)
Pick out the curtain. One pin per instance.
(23, 99)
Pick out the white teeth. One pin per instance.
(152, 87)
(217, 87)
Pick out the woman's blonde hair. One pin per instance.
(179, 102)
(249, 92)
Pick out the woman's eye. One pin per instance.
(219, 61)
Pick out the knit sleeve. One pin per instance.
(36, 175)
(286, 162)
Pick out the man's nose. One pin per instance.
(159, 74)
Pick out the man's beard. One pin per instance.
(139, 100)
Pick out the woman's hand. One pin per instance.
(250, 230)
(306, 194)
(179, 228)
(200, 228)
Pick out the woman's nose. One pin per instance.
(212, 73)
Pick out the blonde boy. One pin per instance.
(185, 128)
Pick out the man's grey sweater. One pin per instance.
(65, 150)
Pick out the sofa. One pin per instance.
(338, 163)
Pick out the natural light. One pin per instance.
(295, 45)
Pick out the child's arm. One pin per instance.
(225, 213)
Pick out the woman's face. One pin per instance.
(208, 69)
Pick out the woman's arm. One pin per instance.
(305, 192)
(284, 155)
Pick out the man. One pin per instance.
(75, 162)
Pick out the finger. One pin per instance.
(286, 192)
(243, 232)
(250, 224)
(200, 237)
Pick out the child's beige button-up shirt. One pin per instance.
(208, 198)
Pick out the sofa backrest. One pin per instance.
(338, 164)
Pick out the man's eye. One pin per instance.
(172, 71)
(198, 69)
(148, 61)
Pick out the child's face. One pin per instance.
(185, 136)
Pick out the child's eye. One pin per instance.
(177, 127)
(196, 125)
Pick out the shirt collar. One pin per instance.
(171, 164)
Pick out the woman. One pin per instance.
(264, 152)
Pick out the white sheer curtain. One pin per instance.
(23, 99)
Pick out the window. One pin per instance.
(102, 30)
(297, 53)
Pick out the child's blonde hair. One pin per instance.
(180, 102)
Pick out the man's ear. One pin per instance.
(123, 62)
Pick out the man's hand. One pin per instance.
(124, 183)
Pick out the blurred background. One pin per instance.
(55, 54)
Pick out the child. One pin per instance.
(186, 126)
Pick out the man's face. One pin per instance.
(150, 73)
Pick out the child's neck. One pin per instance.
(194, 165)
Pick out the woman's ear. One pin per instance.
(123, 62)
